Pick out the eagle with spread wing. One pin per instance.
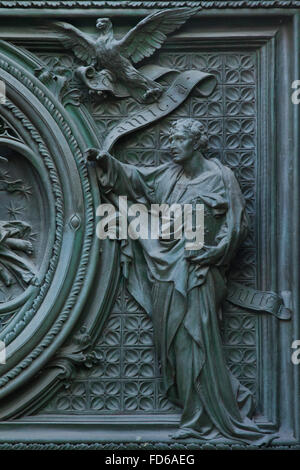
(116, 57)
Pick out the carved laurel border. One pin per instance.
(89, 216)
(205, 5)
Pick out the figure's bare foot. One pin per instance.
(19, 244)
(184, 433)
(27, 247)
(267, 440)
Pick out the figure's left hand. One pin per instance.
(207, 255)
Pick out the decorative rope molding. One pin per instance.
(89, 211)
(59, 219)
(205, 5)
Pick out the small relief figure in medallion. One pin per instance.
(14, 241)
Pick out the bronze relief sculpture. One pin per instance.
(183, 290)
(140, 332)
(111, 60)
(15, 240)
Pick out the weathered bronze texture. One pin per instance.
(199, 353)
(110, 60)
(182, 290)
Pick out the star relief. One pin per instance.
(14, 211)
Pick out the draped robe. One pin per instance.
(183, 299)
(10, 262)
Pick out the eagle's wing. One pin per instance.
(150, 33)
(83, 45)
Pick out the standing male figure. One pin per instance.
(183, 290)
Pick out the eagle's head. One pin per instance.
(104, 26)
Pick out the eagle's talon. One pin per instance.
(152, 94)
(106, 74)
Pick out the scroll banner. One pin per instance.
(266, 302)
(170, 99)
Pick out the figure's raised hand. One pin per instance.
(91, 155)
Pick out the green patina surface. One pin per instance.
(81, 344)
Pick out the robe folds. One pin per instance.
(184, 299)
(12, 264)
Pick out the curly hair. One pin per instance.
(193, 128)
